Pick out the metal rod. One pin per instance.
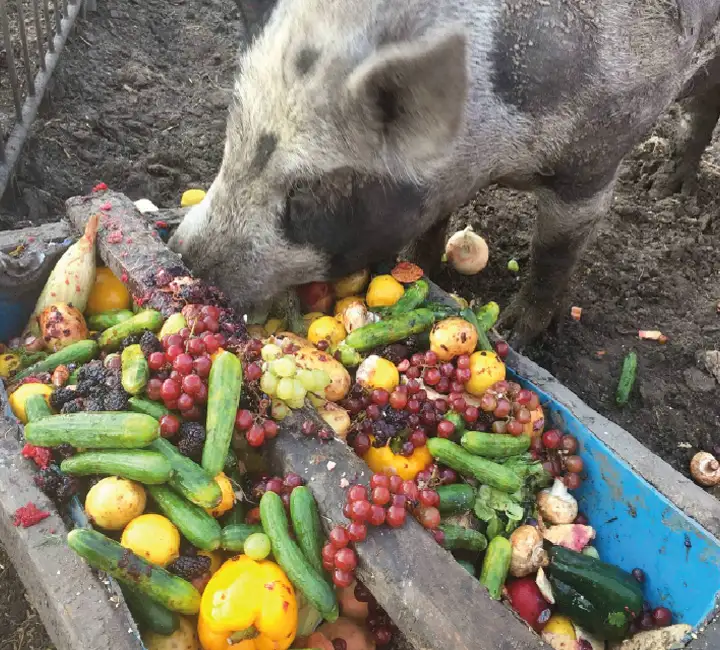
(10, 59)
(25, 52)
(38, 33)
(48, 27)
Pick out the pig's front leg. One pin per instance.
(562, 231)
(427, 250)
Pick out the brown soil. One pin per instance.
(139, 102)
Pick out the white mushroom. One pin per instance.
(705, 469)
(528, 554)
(557, 505)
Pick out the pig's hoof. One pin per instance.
(523, 321)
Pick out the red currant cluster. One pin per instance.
(378, 622)
(559, 455)
(257, 429)
(508, 408)
(279, 485)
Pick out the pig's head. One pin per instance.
(341, 112)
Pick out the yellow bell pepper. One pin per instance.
(382, 460)
(107, 293)
(249, 604)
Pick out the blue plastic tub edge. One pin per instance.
(637, 527)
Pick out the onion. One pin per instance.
(467, 252)
(528, 554)
(557, 505)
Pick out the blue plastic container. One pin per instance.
(637, 527)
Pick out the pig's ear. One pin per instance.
(413, 94)
(254, 14)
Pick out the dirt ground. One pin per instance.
(139, 101)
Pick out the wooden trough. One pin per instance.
(432, 599)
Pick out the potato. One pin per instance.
(452, 337)
(356, 636)
(60, 325)
(184, 638)
(336, 417)
(114, 502)
(351, 607)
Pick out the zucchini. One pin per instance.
(36, 408)
(627, 379)
(224, 388)
(148, 407)
(78, 353)
(149, 319)
(135, 370)
(148, 467)
(107, 319)
(413, 297)
(391, 330)
(614, 593)
(496, 566)
(233, 536)
(148, 613)
(189, 479)
(455, 499)
(107, 555)
(307, 525)
(290, 557)
(494, 445)
(94, 430)
(487, 316)
(196, 525)
(483, 343)
(459, 537)
(485, 471)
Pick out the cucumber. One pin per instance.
(148, 407)
(78, 353)
(413, 297)
(485, 471)
(197, 526)
(189, 479)
(172, 325)
(149, 319)
(36, 408)
(627, 379)
(233, 536)
(487, 315)
(458, 423)
(290, 557)
(135, 370)
(224, 388)
(459, 537)
(455, 499)
(468, 566)
(494, 445)
(496, 566)
(483, 343)
(107, 319)
(235, 516)
(94, 430)
(148, 613)
(104, 554)
(614, 593)
(391, 330)
(307, 525)
(148, 467)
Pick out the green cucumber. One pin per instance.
(36, 408)
(487, 316)
(224, 388)
(455, 499)
(79, 352)
(468, 566)
(494, 445)
(233, 536)
(496, 566)
(413, 297)
(485, 471)
(196, 525)
(457, 421)
(108, 319)
(94, 430)
(459, 537)
(148, 613)
(189, 479)
(290, 557)
(104, 554)
(172, 325)
(584, 612)
(148, 467)
(148, 407)
(112, 337)
(627, 379)
(135, 370)
(307, 525)
(391, 330)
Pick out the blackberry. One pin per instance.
(189, 567)
(62, 396)
(93, 372)
(75, 406)
(116, 400)
(92, 404)
(395, 352)
(149, 343)
(113, 380)
(64, 451)
(59, 487)
(129, 340)
(191, 439)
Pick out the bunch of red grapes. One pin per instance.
(559, 454)
(257, 428)
(282, 486)
(378, 622)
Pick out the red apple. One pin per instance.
(528, 602)
(316, 296)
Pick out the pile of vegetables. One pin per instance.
(157, 426)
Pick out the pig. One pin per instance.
(356, 127)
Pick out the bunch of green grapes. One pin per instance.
(285, 382)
